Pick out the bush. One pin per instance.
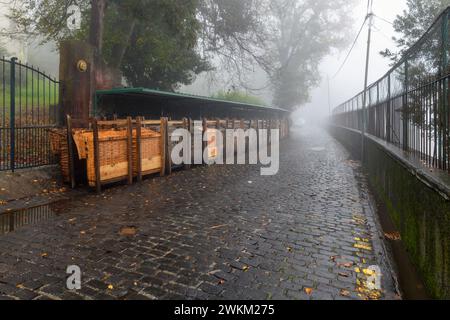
(239, 96)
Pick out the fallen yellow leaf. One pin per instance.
(345, 293)
(308, 291)
(374, 295)
(363, 247)
(128, 231)
(368, 272)
(393, 236)
(110, 287)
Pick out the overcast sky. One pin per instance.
(350, 80)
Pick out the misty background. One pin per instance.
(350, 81)
(327, 95)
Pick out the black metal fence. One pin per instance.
(409, 106)
(29, 105)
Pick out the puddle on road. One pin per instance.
(15, 219)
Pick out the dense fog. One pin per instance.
(326, 91)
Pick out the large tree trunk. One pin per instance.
(106, 77)
(119, 50)
(98, 8)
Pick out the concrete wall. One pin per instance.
(418, 203)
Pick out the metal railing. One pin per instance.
(29, 105)
(409, 106)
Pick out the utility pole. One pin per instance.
(364, 109)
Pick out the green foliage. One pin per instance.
(239, 96)
(413, 23)
(164, 43)
(161, 54)
(425, 60)
(153, 42)
(28, 90)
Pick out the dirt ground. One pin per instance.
(30, 187)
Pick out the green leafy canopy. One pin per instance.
(239, 96)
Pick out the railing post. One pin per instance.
(405, 110)
(12, 112)
(377, 113)
(445, 84)
(388, 112)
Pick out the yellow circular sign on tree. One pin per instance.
(82, 66)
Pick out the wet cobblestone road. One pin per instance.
(221, 232)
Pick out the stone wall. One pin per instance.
(418, 202)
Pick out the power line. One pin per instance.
(379, 31)
(353, 46)
(382, 19)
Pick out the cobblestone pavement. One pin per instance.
(221, 232)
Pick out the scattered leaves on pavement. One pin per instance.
(346, 264)
(128, 231)
(393, 236)
(363, 247)
(345, 293)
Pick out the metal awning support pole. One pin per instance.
(12, 119)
